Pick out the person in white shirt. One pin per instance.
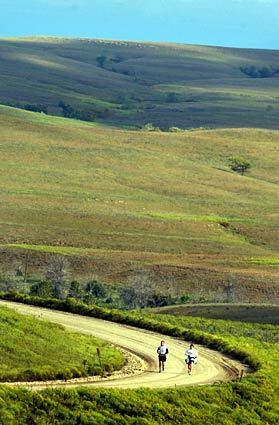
(191, 357)
(162, 352)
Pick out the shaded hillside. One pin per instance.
(131, 84)
(119, 203)
(254, 313)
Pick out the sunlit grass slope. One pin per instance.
(133, 81)
(115, 201)
(33, 349)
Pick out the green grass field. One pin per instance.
(33, 349)
(115, 202)
(135, 82)
(254, 313)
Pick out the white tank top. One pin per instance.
(162, 349)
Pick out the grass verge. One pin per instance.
(33, 349)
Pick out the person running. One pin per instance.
(162, 352)
(191, 357)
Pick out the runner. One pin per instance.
(162, 352)
(191, 357)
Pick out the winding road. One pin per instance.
(213, 367)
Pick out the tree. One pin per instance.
(142, 291)
(239, 164)
(263, 72)
(36, 108)
(68, 111)
(105, 113)
(42, 289)
(101, 60)
(267, 71)
(96, 289)
(230, 290)
(171, 98)
(56, 274)
(9, 282)
(75, 289)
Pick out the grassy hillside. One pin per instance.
(135, 83)
(120, 202)
(254, 313)
(33, 349)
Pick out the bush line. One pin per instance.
(48, 374)
(71, 305)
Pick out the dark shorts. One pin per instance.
(162, 358)
(190, 360)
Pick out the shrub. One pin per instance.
(96, 289)
(69, 111)
(150, 127)
(176, 130)
(42, 289)
(239, 164)
(36, 108)
(172, 97)
(101, 60)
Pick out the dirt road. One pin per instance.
(212, 366)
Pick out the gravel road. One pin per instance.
(140, 345)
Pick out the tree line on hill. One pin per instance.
(139, 292)
(259, 72)
(69, 111)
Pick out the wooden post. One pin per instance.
(241, 374)
(100, 360)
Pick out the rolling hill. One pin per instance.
(132, 84)
(119, 203)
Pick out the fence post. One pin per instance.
(100, 360)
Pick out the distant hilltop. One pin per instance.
(131, 84)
